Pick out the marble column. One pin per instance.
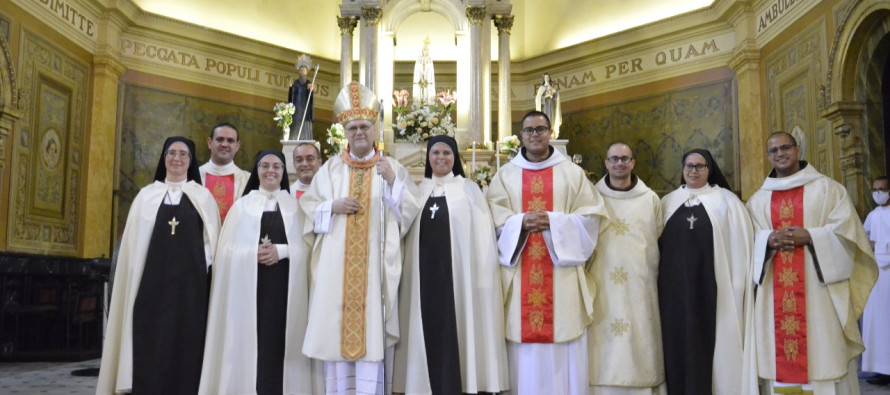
(745, 62)
(505, 108)
(368, 52)
(347, 25)
(476, 124)
(99, 184)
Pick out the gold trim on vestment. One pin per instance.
(355, 265)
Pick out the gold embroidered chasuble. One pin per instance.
(838, 278)
(350, 286)
(624, 340)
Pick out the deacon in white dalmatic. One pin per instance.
(625, 338)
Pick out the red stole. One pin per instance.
(223, 190)
(300, 194)
(537, 267)
(789, 292)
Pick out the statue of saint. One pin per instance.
(299, 95)
(424, 78)
(547, 101)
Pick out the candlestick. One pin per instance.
(474, 156)
(497, 153)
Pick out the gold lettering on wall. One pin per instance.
(191, 59)
(76, 18)
(773, 12)
(644, 63)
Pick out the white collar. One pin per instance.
(441, 180)
(222, 168)
(554, 159)
(367, 157)
(802, 177)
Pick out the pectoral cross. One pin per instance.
(691, 220)
(173, 222)
(433, 210)
(266, 240)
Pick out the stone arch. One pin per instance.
(851, 38)
(860, 43)
(9, 93)
(398, 11)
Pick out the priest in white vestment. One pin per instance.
(705, 248)
(876, 317)
(353, 315)
(220, 175)
(261, 282)
(813, 269)
(624, 341)
(450, 303)
(154, 338)
(547, 215)
(307, 161)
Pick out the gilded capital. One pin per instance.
(371, 15)
(347, 24)
(476, 14)
(503, 23)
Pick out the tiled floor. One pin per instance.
(55, 379)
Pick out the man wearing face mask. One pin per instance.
(875, 319)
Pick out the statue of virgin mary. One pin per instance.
(424, 78)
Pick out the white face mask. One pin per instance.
(880, 197)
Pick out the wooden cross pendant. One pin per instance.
(173, 222)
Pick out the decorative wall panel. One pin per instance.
(659, 129)
(47, 150)
(795, 73)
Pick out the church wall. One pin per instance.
(660, 121)
(794, 65)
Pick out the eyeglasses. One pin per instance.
(266, 166)
(623, 159)
(355, 128)
(699, 167)
(178, 154)
(540, 130)
(783, 148)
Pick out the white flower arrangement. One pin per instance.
(510, 145)
(481, 176)
(284, 114)
(421, 123)
(336, 139)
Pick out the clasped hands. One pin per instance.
(789, 238)
(267, 254)
(536, 221)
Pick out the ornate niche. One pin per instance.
(47, 150)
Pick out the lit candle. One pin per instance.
(497, 154)
(474, 156)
